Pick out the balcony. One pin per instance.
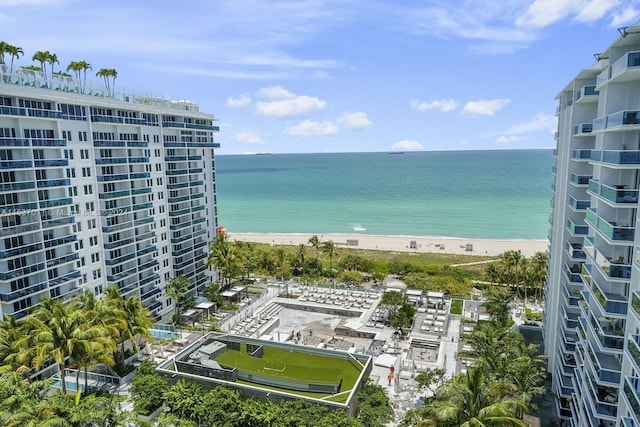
(577, 230)
(108, 143)
(626, 68)
(66, 278)
(106, 119)
(57, 241)
(581, 155)
(57, 222)
(635, 303)
(610, 229)
(10, 275)
(51, 163)
(610, 303)
(15, 164)
(582, 129)
(617, 194)
(49, 142)
(148, 279)
(632, 392)
(114, 194)
(587, 94)
(54, 183)
(14, 142)
(607, 368)
(19, 229)
(633, 349)
(23, 292)
(621, 157)
(120, 260)
(580, 180)
(66, 201)
(62, 260)
(7, 253)
(607, 333)
(579, 205)
(111, 178)
(599, 124)
(576, 252)
(118, 244)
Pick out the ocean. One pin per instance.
(472, 194)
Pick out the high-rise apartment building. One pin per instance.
(592, 313)
(100, 188)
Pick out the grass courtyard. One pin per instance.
(299, 366)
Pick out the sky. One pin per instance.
(315, 76)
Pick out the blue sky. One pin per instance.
(338, 75)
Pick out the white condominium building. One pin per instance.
(100, 188)
(592, 314)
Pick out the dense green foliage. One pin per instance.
(25, 404)
(189, 404)
(147, 389)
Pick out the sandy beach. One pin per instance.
(448, 245)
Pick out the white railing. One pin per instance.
(32, 78)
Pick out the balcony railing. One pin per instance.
(621, 157)
(580, 179)
(579, 205)
(587, 91)
(582, 128)
(629, 61)
(632, 391)
(610, 303)
(577, 230)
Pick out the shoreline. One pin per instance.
(423, 244)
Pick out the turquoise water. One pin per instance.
(473, 194)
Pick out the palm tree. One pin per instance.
(3, 50)
(138, 321)
(329, 248)
(299, 262)
(489, 347)
(539, 264)
(42, 57)
(227, 257)
(513, 259)
(15, 52)
(176, 289)
(100, 350)
(52, 59)
(314, 241)
(59, 332)
(497, 305)
(10, 330)
(475, 399)
(107, 73)
(77, 67)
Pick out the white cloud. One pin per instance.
(407, 145)
(542, 13)
(538, 123)
(438, 104)
(248, 137)
(625, 16)
(313, 128)
(595, 9)
(490, 23)
(484, 107)
(520, 131)
(355, 121)
(282, 103)
(241, 101)
(509, 139)
(275, 92)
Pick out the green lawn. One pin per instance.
(456, 306)
(296, 365)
